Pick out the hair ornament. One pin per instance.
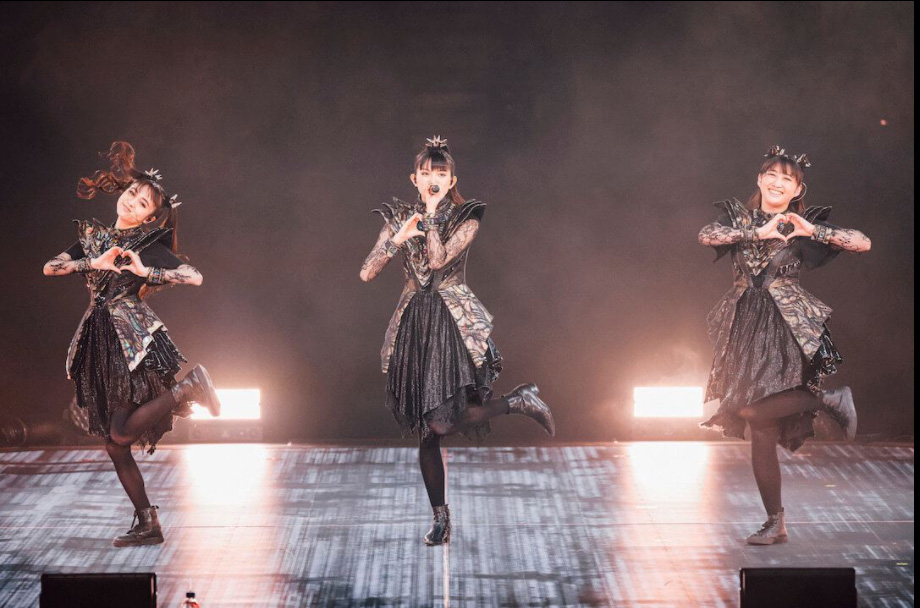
(153, 174)
(801, 160)
(437, 143)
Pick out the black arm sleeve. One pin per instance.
(816, 254)
(75, 251)
(722, 250)
(158, 255)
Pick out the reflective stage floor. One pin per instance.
(621, 524)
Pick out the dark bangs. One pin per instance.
(437, 158)
(785, 165)
(159, 194)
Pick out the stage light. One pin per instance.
(669, 471)
(668, 402)
(235, 404)
(226, 474)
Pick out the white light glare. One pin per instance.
(235, 404)
(668, 402)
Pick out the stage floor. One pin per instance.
(622, 524)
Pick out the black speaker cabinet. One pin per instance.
(798, 588)
(134, 590)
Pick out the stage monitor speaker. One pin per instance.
(798, 588)
(136, 589)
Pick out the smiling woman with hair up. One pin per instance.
(772, 347)
(121, 359)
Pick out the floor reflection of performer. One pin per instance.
(437, 354)
(772, 347)
(121, 359)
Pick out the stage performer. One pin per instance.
(121, 359)
(772, 346)
(439, 359)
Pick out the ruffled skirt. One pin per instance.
(763, 358)
(104, 384)
(431, 376)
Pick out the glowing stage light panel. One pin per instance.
(235, 404)
(668, 402)
(668, 472)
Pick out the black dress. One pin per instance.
(769, 334)
(437, 354)
(121, 355)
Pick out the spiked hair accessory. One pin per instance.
(437, 143)
(155, 177)
(800, 159)
(153, 174)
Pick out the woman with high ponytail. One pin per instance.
(121, 360)
(439, 359)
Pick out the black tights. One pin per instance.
(763, 417)
(429, 449)
(128, 474)
(432, 465)
(128, 424)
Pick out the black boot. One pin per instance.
(440, 529)
(146, 532)
(838, 404)
(523, 400)
(197, 387)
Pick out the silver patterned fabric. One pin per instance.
(768, 333)
(134, 321)
(471, 317)
(779, 265)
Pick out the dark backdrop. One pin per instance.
(599, 134)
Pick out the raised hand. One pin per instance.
(134, 264)
(106, 261)
(802, 226)
(432, 200)
(770, 230)
(408, 230)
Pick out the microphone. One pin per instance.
(432, 189)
